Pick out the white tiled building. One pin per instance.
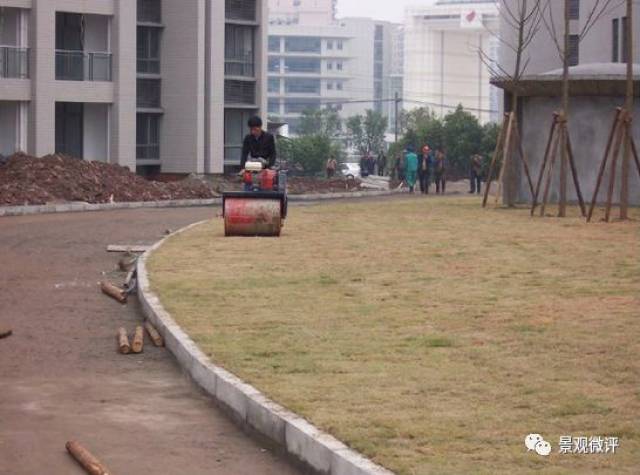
(157, 85)
(442, 66)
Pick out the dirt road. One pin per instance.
(61, 377)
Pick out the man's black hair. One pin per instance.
(255, 121)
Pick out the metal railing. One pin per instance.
(148, 66)
(14, 62)
(81, 66)
(148, 152)
(239, 66)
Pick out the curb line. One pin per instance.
(76, 207)
(300, 439)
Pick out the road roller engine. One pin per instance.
(259, 210)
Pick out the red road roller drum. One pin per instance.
(252, 217)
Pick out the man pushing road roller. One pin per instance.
(261, 208)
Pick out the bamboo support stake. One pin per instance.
(506, 155)
(113, 291)
(622, 133)
(492, 166)
(626, 154)
(552, 163)
(153, 334)
(574, 173)
(525, 162)
(545, 160)
(138, 340)
(634, 150)
(603, 164)
(87, 461)
(123, 341)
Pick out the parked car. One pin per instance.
(349, 170)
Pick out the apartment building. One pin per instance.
(154, 85)
(302, 12)
(344, 65)
(443, 67)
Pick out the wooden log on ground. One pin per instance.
(123, 341)
(5, 332)
(127, 262)
(153, 334)
(113, 291)
(127, 248)
(138, 340)
(86, 459)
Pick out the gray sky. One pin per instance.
(390, 10)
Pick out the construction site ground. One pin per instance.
(63, 379)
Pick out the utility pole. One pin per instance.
(626, 158)
(397, 103)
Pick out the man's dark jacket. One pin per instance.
(261, 147)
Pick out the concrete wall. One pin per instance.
(589, 126)
(183, 92)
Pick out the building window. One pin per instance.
(339, 86)
(340, 44)
(302, 44)
(339, 66)
(329, 44)
(149, 11)
(302, 86)
(377, 70)
(379, 35)
(573, 55)
(274, 86)
(243, 10)
(148, 137)
(329, 66)
(274, 65)
(238, 50)
(235, 127)
(330, 86)
(302, 65)
(625, 29)
(148, 93)
(615, 40)
(239, 92)
(574, 9)
(148, 50)
(299, 106)
(273, 106)
(274, 44)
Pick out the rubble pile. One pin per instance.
(26, 180)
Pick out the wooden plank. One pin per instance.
(127, 248)
(86, 459)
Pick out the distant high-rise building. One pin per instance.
(302, 12)
(442, 64)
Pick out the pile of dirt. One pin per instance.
(300, 185)
(26, 180)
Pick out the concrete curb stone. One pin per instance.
(300, 439)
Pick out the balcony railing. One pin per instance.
(14, 62)
(239, 66)
(148, 152)
(81, 66)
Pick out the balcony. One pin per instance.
(239, 66)
(83, 66)
(14, 62)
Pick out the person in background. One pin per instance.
(475, 172)
(332, 165)
(382, 163)
(424, 169)
(364, 166)
(440, 171)
(411, 163)
(400, 167)
(371, 164)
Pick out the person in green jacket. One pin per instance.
(411, 164)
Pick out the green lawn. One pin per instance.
(429, 334)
